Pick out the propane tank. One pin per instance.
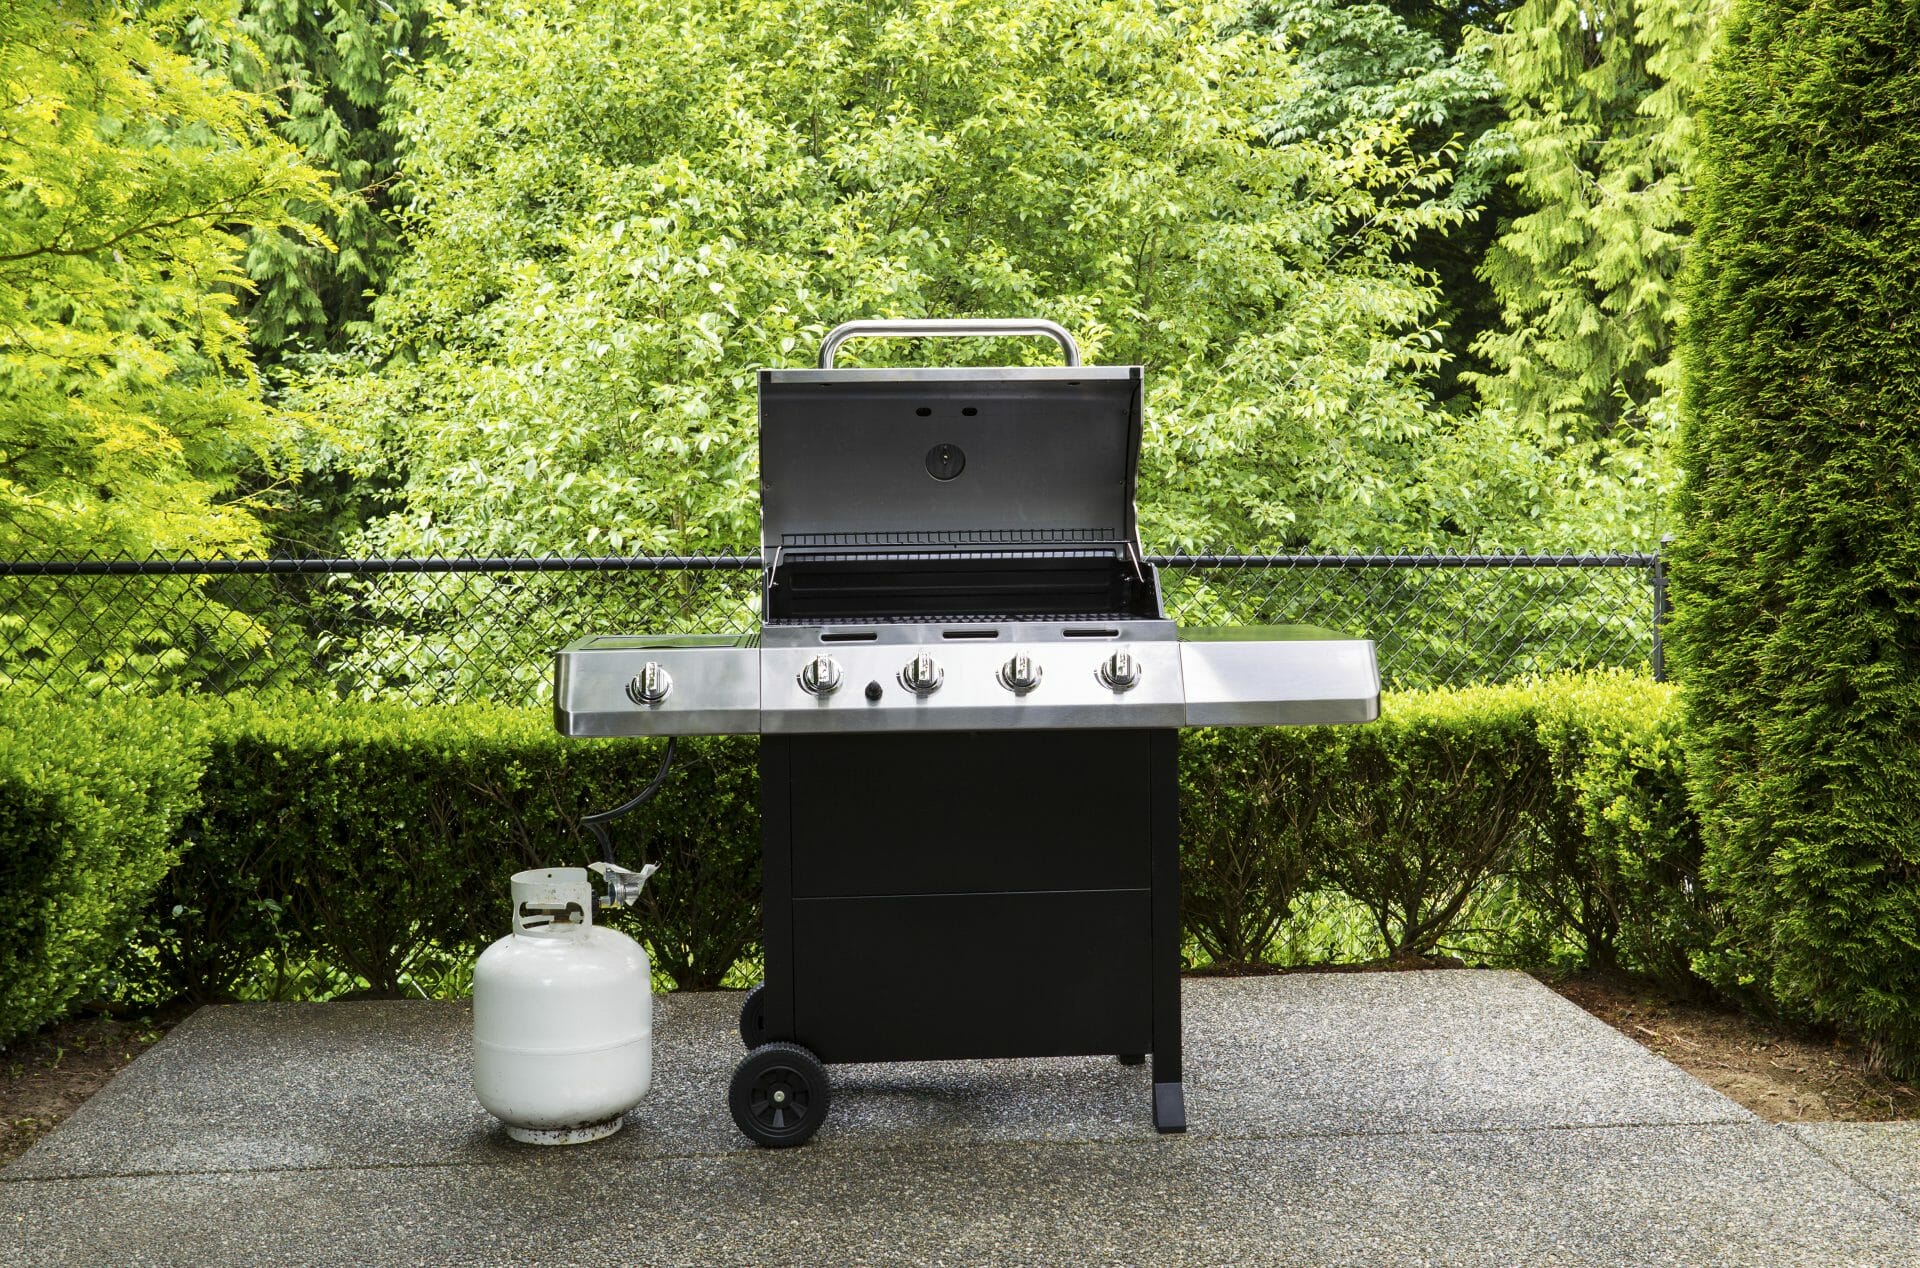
(562, 1015)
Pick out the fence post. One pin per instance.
(1660, 607)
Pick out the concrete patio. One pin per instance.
(1415, 1118)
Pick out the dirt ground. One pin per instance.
(1782, 1075)
(46, 1077)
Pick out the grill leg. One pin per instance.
(1169, 1096)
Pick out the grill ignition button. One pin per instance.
(873, 690)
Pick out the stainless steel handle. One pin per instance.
(955, 327)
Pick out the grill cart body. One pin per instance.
(969, 699)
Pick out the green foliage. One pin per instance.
(1527, 824)
(90, 800)
(1431, 802)
(327, 67)
(335, 848)
(1600, 132)
(620, 210)
(1360, 62)
(381, 837)
(128, 401)
(1796, 615)
(1618, 861)
(1252, 811)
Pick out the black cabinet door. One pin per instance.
(973, 975)
(969, 811)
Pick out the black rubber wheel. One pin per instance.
(1133, 1058)
(779, 1095)
(753, 1027)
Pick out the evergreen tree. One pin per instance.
(1796, 586)
(1362, 64)
(1601, 135)
(330, 65)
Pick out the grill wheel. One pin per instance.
(779, 1095)
(753, 1026)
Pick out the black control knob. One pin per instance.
(873, 690)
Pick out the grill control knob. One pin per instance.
(1020, 675)
(820, 676)
(1121, 671)
(650, 685)
(922, 676)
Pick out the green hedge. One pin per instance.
(1796, 617)
(91, 802)
(373, 836)
(1522, 824)
(1527, 823)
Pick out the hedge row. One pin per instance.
(91, 803)
(1562, 800)
(376, 838)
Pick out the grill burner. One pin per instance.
(968, 763)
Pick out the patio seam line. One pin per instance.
(1898, 1203)
(1009, 1145)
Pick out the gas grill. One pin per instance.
(970, 699)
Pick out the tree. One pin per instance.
(1360, 62)
(128, 398)
(620, 210)
(1601, 136)
(327, 66)
(1796, 622)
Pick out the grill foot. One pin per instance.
(1169, 1107)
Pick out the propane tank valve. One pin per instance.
(623, 883)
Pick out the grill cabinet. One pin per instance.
(969, 700)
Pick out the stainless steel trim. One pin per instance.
(1300, 682)
(716, 689)
(961, 327)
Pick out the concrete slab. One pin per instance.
(1456, 1118)
(1883, 1156)
(1721, 1195)
(264, 1086)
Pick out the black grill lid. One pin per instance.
(953, 459)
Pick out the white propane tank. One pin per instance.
(562, 1016)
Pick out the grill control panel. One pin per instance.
(973, 678)
(979, 683)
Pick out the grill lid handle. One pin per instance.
(956, 327)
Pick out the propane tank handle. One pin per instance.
(951, 327)
(623, 883)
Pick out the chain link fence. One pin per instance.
(442, 630)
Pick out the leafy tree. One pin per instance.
(1366, 62)
(128, 399)
(620, 210)
(1601, 135)
(1796, 620)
